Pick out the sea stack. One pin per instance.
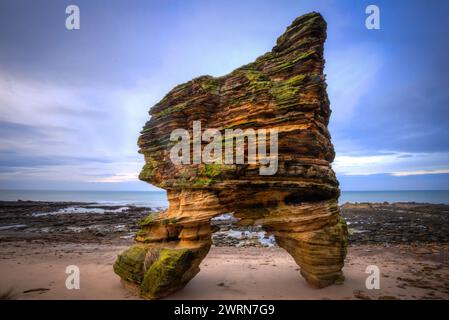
(284, 89)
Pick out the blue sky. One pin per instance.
(72, 103)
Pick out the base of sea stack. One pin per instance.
(320, 253)
(168, 254)
(156, 272)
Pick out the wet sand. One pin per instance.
(408, 242)
(407, 272)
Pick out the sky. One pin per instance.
(72, 102)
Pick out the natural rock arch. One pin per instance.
(283, 89)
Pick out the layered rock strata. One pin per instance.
(283, 89)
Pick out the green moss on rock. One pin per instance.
(287, 92)
(166, 274)
(286, 64)
(147, 171)
(210, 85)
(169, 221)
(147, 220)
(257, 81)
(210, 170)
(176, 108)
(141, 233)
(342, 227)
(202, 182)
(130, 264)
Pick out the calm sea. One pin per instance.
(138, 198)
(158, 198)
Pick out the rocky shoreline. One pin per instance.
(408, 241)
(397, 223)
(79, 222)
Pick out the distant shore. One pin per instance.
(159, 198)
(409, 242)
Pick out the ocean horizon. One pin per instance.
(159, 199)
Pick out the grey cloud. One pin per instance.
(71, 112)
(13, 159)
(17, 131)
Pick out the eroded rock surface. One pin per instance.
(283, 89)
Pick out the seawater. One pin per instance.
(159, 199)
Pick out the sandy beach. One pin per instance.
(407, 272)
(413, 261)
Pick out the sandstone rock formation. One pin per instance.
(283, 89)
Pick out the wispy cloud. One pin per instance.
(349, 83)
(397, 164)
(419, 172)
(52, 132)
(117, 178)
